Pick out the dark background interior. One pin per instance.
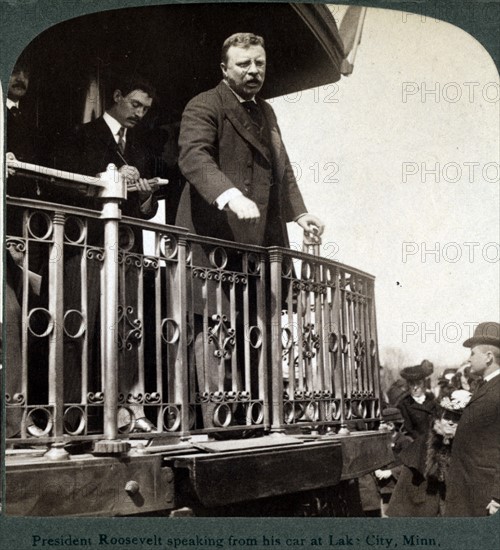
(177, 48)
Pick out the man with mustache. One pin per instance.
(473, 482)
(240, 184)
(233, 158)
(20, 132)
(112, 138)
(23, 143)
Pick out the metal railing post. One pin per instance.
(112, 193)
(276, 368)
(181, 390)
(56, 341)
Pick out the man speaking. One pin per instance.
(241, 184)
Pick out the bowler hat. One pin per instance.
(419, 372)
(392, 414)
(485, 333)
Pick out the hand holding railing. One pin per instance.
(313, 229)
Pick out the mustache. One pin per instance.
(19, 84)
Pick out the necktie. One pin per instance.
(15, 112)
(121, 140)
(255, 114)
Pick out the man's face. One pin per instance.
(129, 110)
(478, 360)
(18, 85)
(245, 70)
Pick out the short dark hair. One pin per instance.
(127, 84)
(22, 65)
(240, 40)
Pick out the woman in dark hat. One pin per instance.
(417, 408)
(464, 379)
(421, 487)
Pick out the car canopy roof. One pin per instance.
(177, 47)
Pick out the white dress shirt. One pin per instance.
(11, 104)
(115, 127)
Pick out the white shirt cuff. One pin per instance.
(299, 216)
(222, 200)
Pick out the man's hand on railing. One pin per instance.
(313, 227)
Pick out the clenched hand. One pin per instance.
(245, 209)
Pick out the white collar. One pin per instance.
(11, 104)
(114, 126)
(238, 97)
(488, 377)
(420, 399)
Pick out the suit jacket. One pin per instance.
(21, 137)
(417, 417)
(219, 148)
(474, 473)
(89, 151)
(23, 142)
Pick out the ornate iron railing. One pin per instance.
(198, 336)
(325, 353)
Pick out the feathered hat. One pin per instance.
(419, 372)
(456, 402)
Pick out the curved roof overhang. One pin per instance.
(178, 48)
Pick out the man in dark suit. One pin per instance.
(240, 184)
(112, 138)
(234, 159)
(21, 133)
(22, 142)
(473, 483)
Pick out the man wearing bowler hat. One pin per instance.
(473, 485)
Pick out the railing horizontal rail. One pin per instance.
(298, 255)
(198, 335)
(51, 175)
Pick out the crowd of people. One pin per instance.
(446, 441)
